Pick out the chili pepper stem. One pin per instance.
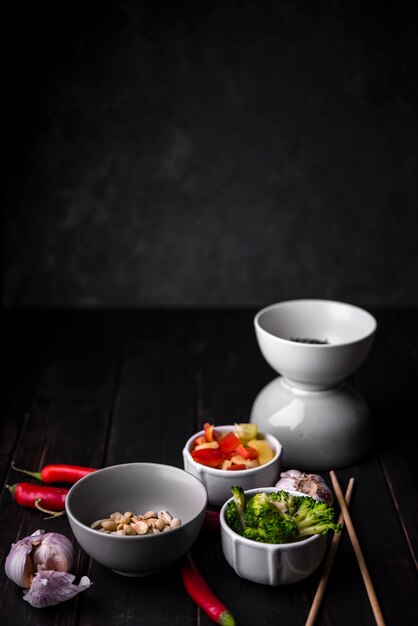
(199, 590)
(23, 471)
(53, 513)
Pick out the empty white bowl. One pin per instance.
(137, 487)
(347, 330)
(218, 482)
(267, 563)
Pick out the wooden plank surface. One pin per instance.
(152, 418)
(98, 388)
(67, 421)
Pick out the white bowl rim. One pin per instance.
(94, 532)
(320, 346)
(232, 473)
(251, 542)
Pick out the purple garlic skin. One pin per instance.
(50, 587)
(311, 485)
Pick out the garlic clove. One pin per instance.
(55, 552)
(40, 564)
(50, 587)
(292, 473)
(46, 551)
(311, 485)
(19, 566)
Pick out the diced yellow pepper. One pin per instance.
(245, 432)
(265, 453)
(209, 444)
(252, 463)
(237, 459)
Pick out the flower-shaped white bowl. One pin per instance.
(347, 330)
(267, 563)
(136, 487)
(218, 482)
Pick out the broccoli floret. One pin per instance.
(289, 502)
(266, 521)
(278, 517)
(232, 518)
(234, 512)
(255, 507)
(239, 499)
(314, 518)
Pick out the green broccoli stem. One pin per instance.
(317, 529)
(310, 522)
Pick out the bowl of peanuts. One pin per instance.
(136, 518)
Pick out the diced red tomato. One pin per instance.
(229, 443)
(237, 466)
(246, 453)
(208, 456)
(253, 453)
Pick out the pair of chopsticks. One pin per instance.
(345, 518)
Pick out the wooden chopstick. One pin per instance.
(313, 613)
(374, 603)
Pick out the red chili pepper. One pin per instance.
(58, 473)
(246, 452)
(229, 443)
(208, 456)
(199, 590)
(47, 499)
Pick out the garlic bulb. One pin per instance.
(306, 484)
(55, 552)
(40, 564)
(46, 551)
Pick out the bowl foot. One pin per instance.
(319, 430)
(135, 575)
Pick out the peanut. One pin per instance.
(140, 527)
(160, 524)
(97, 524)
(165, 515)
(175, 522)
(129, 523)
(109, 524)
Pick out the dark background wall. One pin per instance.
(210, 153)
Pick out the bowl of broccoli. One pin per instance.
(273, 537)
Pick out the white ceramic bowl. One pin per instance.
(218, 482)
(270, 564)
(136, 487)
(348, 330)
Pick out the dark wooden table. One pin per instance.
(99, 388)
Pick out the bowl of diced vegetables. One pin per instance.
(223, 456)
(274, 537)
